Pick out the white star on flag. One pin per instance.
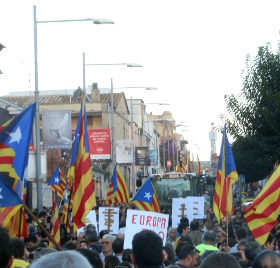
(1, 196)
(15, 136)
(56, 179)
(148, 195)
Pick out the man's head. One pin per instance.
(118, 246)
(107, 242)
(209, 237)
(92, 256)
(91, 235)
(188, 255)
(266, 258)
(183, 228)
(252, 250)
(219, 260)
(146, 249)
(172, 234)
(6, 258)
(194, 225)
(18, 248)
(62, 259)
(240, 234)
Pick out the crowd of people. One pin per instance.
(200, 243)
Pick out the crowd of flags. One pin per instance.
(77, 189)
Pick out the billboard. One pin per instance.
(153, 158)
(124, 152)
(141, 156)
(99, 144)
(56, 129)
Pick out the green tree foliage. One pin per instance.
(254, 120)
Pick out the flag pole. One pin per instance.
(41, 226)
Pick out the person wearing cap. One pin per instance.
(187, 257)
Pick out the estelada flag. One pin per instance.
(81, 173)
(57, 183)
(261, 216)
(226, 176)
(146, 198)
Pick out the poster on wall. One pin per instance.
(124, 151)
(153, 158)
(56, 129)
(141, 156)
(99, 143)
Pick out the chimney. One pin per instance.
(95, 93)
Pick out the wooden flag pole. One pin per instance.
(42, 227)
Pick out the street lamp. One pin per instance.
(128, 65)
(37, 114)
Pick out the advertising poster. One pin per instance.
(99, 144)
(56, 129)
(141, 156)
(153, 158)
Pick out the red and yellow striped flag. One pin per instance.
(81, 173)
(261, 216)
(55, 233)
(117, 192)
(226, 176)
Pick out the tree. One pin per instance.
(254, 121)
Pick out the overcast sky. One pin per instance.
(192, 51)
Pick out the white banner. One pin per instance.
(90, 219)
(191, 207)
(109, 219)
(196, 203)
(124, 152)
(138, 220)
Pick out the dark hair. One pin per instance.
(219, 259)
(242, 243)
(42, 214)
(187, 239)
(91, 235)
(65, 238)
(194, 225)
(185, 220)
(102, 233)
(111, 261)
(126, 255)
(180, 246)
(117, 245)
(147, 248)
(241, 233)
(185, 251)
(266, 258)
(252, 250)
(18, 248)
(92, 256)
(171, 256)
(5, 247)
(30, 238)
(181, 227)
(270, 238)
